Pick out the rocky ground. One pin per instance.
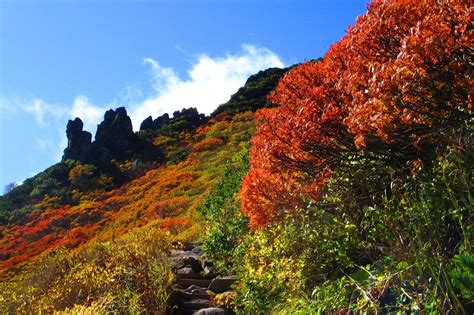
(198, 288)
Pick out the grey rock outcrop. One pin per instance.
(114, 139)
(147, 124)
(78, 141)
(150, 124)
(115, 132)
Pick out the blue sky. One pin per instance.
(61, 59)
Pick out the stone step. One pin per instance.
(185, 262)
(194, 275)
(195, 304)
(222, 284)
(195, 288)
(213, 311)
(198, 282)
(182, 295)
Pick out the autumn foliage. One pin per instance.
(166, 195)
(390, 90)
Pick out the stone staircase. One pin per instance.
(196, 283)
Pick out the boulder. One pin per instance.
(114, 139)
(190, 117)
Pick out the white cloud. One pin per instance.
(211, 82)
(90, 114)
(45, 114)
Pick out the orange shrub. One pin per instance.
(208, 144)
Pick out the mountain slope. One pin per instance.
(120, 185)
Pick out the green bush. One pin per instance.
(226, 225)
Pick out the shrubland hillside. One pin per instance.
(102, 190)
(350, 192)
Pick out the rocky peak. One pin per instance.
(115, 132)
(160, 121)
(147, 124)
(150, 124)
(78, 141)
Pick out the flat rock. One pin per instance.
(181, 296)
(194, 292)
(193, 275)
(184, 271)
(198, 282)
(178, 254)
(195, 289)
(195, 304)
(197, 250)
(221, 284)
(213, 311)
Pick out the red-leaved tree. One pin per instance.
(393, 88)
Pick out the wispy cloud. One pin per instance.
(210, 82)
(43, 111)
(89, 113)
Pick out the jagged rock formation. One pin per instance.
(114, 139)
(78, 141)
(150, 124)
(185, 120)
(115, 133)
